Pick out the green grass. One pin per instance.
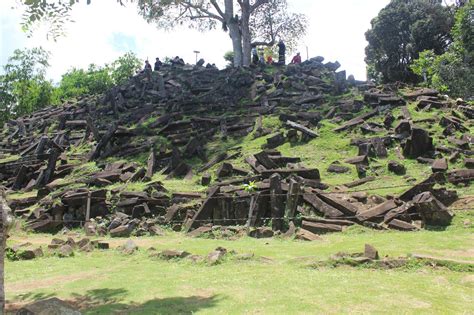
(9, 158)
(22, 195)
(283, 282)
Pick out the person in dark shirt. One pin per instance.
(281, 52)
(254, 55)
(177, 61)
(147, 66)
(158, 64)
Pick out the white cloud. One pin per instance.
(103, 31)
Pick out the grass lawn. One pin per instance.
(278, 280)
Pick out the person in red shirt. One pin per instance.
(296, 59)
(270, 60)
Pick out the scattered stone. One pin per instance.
(431, 210)
(213, 258)
(90, 228)
(335, 167)
(261, 232)
(396, 167)
(439, 165)
(469, 163)
(206, 179)
(121, 231)
(29, 253)
(128, 248)
(155, 230)
(200, 231)
(195, 258)
(305, 235)
(173, 254)
(370, 252)
(419, 143)
(360, 196)
(65, 251)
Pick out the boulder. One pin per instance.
(431, 210)
(156, 230)
(261, 232)
(396, 167)
(469, 163)
(90, 228)
(419, 143)
(65, 251)
(173, 254)
(200, 231)
(371, 252)
(439, 165)
(29, 253)
(336, 167)
(214, 257)
(121, 231)
(206, 179)
(306, 235)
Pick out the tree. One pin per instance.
(97, 79)
(229, 57)
(125, 67)
(78, 82)
(272, 21)
(23, 87)
(234, 16)
(402, 30)
(453, 71)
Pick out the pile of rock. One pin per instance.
(174, 113)
(60, 247)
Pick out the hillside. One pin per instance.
(188, 146)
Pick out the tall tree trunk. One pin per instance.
(234, 31)
(236, 38)
(246, 43)
(246, 38)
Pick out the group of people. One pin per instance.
(158, 63)
(258, 56)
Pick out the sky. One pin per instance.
(103, 31)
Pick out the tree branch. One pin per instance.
(218, 9)
(257, 4)
(269, 44)
(202, 11)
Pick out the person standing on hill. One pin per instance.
(158, 64)
(261, 56)
(270, 60)
(254, 55)
(296, 59)
(147, 66)
(281, 52)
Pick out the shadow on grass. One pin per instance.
(107, 301)
(111, 301)
(34, 296)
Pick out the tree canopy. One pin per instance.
(23, 87)
(402, 30)
(453, 71)
(246, 21)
